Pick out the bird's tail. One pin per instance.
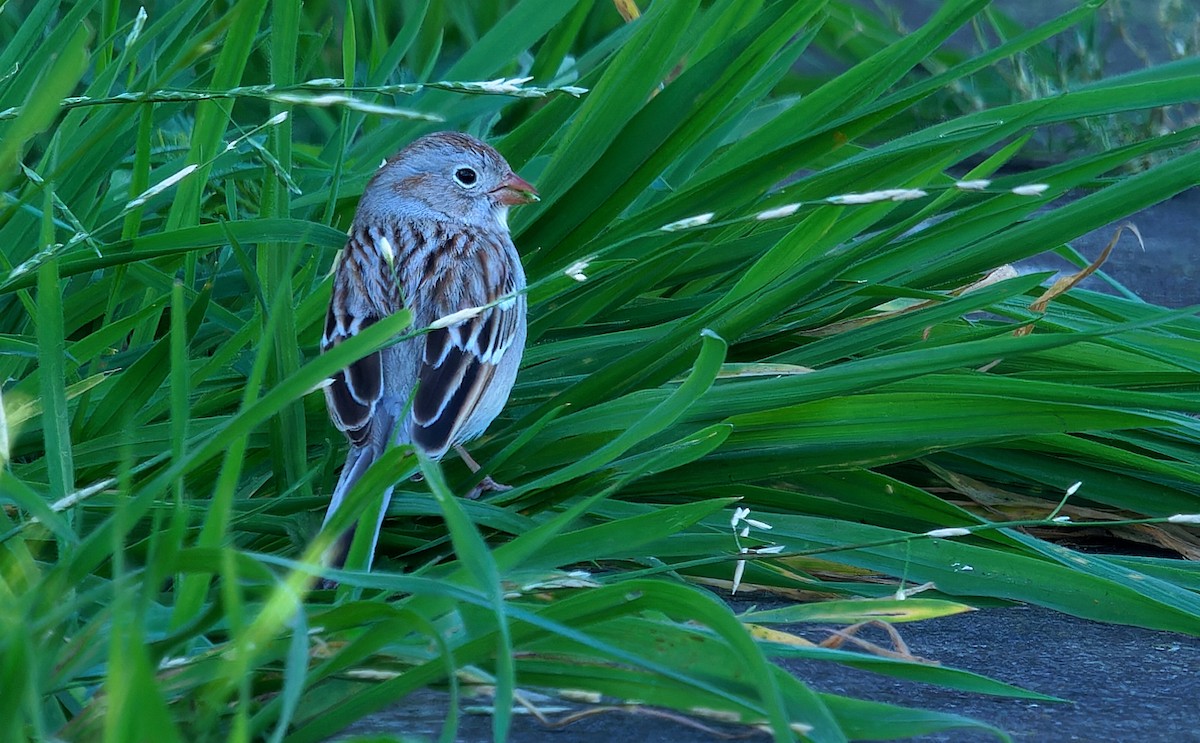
(358, 460)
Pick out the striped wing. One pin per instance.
(459, 362)
(353, 392)
(363, 292)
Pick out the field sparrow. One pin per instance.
(430, 234)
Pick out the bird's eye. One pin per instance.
(466, 177)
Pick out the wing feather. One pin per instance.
(460, 361)
(353, 394)
(455, 390)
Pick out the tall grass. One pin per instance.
(751, 332)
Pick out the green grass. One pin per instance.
(1120, 35)
(167, 236)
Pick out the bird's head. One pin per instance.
(448, 176)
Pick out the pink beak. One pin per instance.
(514, 190)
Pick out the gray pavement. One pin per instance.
(1120, 683)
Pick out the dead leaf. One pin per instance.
(1066, 283)
(628, 9)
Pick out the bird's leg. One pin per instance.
(487, 484)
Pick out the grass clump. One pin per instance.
(782, 310)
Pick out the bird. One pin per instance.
(430, 235)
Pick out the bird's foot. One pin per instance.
(487, 485)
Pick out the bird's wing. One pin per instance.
(361, 296)
(353, 392)
(460, 361)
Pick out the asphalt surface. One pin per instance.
(1120, 683)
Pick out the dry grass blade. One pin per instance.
(628, 9)
(898, 651)
(638, 710)
(1066, 283)
(995, 276)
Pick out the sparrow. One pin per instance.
(430, 235)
